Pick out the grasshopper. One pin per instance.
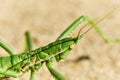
(16, 65)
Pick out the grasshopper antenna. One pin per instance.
(98, 21)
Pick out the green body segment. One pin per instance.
(58, 46)
(17, 63)
(13, 63)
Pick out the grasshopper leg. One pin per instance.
(29, 41)
(100, 32)
(30, 47)
(57, 75)
(7, 48)
(62, 55)
(82, 19)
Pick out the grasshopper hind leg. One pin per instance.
(30, 47)
(100, 32)
(7, 48)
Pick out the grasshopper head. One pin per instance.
(80, 35)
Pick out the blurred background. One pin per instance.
(47, 19)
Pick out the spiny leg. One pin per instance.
(30, 47)
(100, 32)
(7, 48)
(76, 24)
(50, 66)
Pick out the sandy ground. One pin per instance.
(47, 19)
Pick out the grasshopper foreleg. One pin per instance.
(50, 66)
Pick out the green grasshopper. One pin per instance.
(16, 65)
